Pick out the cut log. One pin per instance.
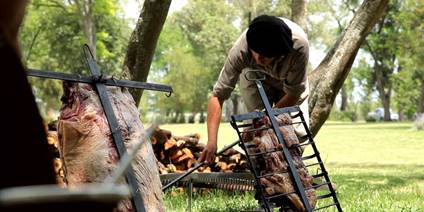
(192, 141)
(183, 151)
(161, 136)
(176, 154)
(169, 144)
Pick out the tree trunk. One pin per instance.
(299, 12)
(421, 104)
(85, 9)
(143, 42)
(384, 88)
(235, 100)
(343, 106)
(326, 81)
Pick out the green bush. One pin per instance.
(419, 122)
(337, 115)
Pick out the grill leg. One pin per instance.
(190, 194)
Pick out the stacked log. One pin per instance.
(180, 153)
(175, 154)
(53, 141)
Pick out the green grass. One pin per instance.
(376, 166)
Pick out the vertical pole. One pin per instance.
(101, 89)
(190, 194)
(268, 110)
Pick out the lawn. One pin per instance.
(376, 166)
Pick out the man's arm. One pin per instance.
(226, 83)
(213, 121)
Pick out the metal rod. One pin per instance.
(191, 170)
(190, 195)
(327, 206)
(295, 175)
(260, 114)
(127, 159)
(313, 164)
(324, 196)
(197, 166)
(115, 131)
(264, 153)
(106, 81)
(252, 169)
(321, 165)
(255, 129)
(280, 195)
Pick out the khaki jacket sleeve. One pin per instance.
(231, 70)
(295, 82)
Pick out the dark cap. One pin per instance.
(269, 36)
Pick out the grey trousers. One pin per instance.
(274, 91)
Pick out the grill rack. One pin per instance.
(294, 112)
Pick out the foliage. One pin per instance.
(52, 37)
(326, 20)
(419, 122)
(191, 50)
(337, 115)
(176, 65)
(411, 54)
(248, 10)
(407, 95)
(209, 27)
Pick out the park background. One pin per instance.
(376, 162)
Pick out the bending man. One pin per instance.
(279, 48)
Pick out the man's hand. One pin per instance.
(214, 117)
(208, 153)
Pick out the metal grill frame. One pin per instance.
(271, 114)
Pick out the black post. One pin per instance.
(101, 89)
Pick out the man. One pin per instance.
(279, 48)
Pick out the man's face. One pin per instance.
(261, 60)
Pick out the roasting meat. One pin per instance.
(273, 165)
(86, 145)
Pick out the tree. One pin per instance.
(52, 38)
(327, 79)
(143, 42)
(365, 81)
(411, 51)
(382, 46)
(299, 12)
(334, 17)
(176, 65)
(84, 9)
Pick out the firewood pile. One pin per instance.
(179, 153)
(53, 141)
(175, 154)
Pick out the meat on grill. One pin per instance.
(274, 165)
(87, 149)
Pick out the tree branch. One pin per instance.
(326, 80)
